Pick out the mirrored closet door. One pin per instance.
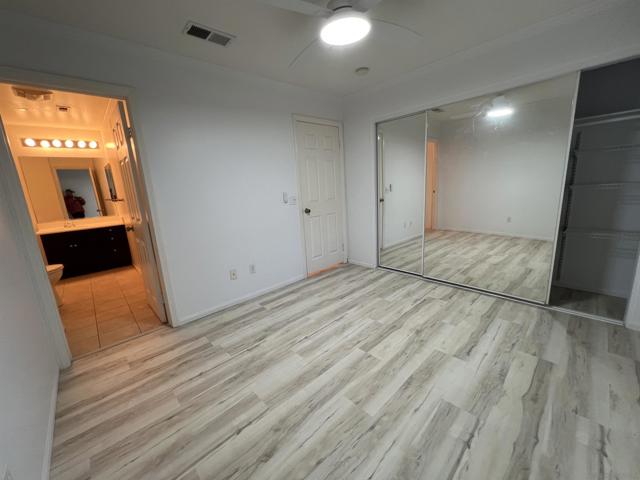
(401, 183)
(499, 163)
(480, 190)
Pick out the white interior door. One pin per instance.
(138, 222)
(321, 191)
(131, 212)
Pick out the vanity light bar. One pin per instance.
(57, 143)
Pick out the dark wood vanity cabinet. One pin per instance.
(88, 251)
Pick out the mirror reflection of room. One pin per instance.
(495, 166)
(72, 164)
(401, 153)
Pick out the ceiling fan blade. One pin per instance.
(365, 5)
(394, 26)
(299, 6)
(302, 52)
(462, 116)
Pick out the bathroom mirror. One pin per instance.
(401, 183)
(79, 193)
(495, 174)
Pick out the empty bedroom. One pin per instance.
(319, 239)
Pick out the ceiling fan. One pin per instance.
(346, 20)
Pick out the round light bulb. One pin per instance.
(82, 144)
(69, 143)
(29, 142)
(345, 28)
(45, 143)
(93, 144)
(56, 143)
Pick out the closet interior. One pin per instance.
(600, 224)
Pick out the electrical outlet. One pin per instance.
(252, 268)
(233, 274)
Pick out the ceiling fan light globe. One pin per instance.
(345, 28)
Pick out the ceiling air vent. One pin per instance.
(207, 33)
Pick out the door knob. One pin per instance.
(307, 211)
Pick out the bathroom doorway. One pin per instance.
(75, 164)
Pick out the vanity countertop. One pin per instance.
(75, 225)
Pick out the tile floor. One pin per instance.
(104, 308)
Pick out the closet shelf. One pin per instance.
(615, 148)
(601, 231)
(608, 118)
(606, 184)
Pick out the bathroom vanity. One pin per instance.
(83, 251)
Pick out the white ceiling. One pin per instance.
(268, 39)
(85, 112)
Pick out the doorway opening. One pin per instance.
(75, 159)
(431, 187)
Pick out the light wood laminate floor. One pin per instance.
(513, 265)
(358, 374)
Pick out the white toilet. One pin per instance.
(55, 273)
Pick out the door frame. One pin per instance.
(431, 197)
(17, 203)
(298, 118)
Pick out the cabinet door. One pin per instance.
(71, 249)
(113, 247)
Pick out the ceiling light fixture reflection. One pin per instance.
(56, 143)
(45, 143)
(29, 142)
(81, 144)
(500, 107)
(500, 112)
(69, 143)
(93, 144)
(345, 27)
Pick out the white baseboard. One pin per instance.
(236, 301)
(48, 446)
(361, 264)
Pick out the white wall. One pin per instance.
(217, 149)
(505, 176)
(403, 163)
(545, 50)
(28, 365)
